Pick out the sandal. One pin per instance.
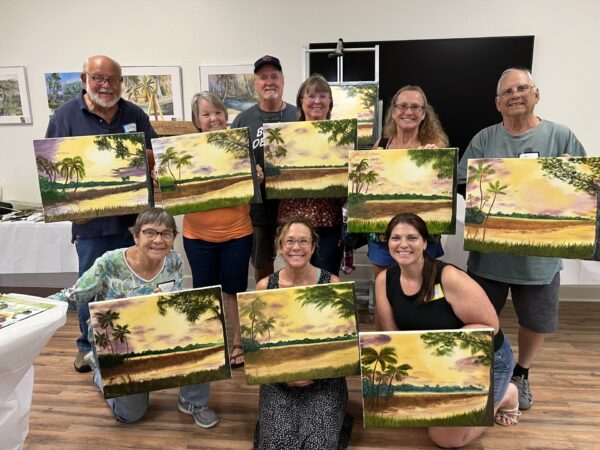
(235, 356)
(507, 417)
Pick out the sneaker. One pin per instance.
(525, 397)
(203, 415)
(80, 364)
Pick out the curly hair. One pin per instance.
(430, 129)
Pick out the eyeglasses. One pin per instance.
(113, 81)
(314, 97)
(413, 108)
(521, 89)
(151, 234)
(303, 243)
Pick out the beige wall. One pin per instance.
(57, 35)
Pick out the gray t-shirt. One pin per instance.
(264, 213)
(548, 139)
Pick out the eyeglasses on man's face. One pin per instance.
(151, 233)
(303, 243)
(315, 97)
(113, 81)
(520, 89)
(403, 107)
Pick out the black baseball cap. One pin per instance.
(267, 60)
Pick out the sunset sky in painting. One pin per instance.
(347, 107)
(99, 164)
(398, 174)
(208, 159)
(307, 147)
(456, 369)
(530, 192)
(150, 330)
(292, 320)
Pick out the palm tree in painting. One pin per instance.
(64, 169)
(356, 175)
(341, 132)
(255, 312)
(234, 142)
(77, 169)
(480, 344)
(107, 320)
(274, 150)
(265, 326)
(101, 341)
(395, 373)
(370, 178)
(132, 87)
(384, 357)
(495, 189)
(120, 335)
(479, 172)
(169, 157)
(183, 161)
(328, 296)
(50, 168)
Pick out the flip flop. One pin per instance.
(507, 417)
(233, 357)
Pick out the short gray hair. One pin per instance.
(210, 98)
(525, 70)
(86, 63)
(153, 216)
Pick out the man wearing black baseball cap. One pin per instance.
(268, 83)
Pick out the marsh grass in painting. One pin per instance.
(383, 183)
(358, 100)
(302, 333)
(427, 378)
(160, 341)
(308, 159)
(537, 207)
(204, 171)
(87, 177)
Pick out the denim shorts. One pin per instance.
(504, 362)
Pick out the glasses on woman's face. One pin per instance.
(303, 243)
(403, 107)
(315, 97)
(166, 235)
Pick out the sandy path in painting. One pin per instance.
(436, 410)
(334, 179)
(237, 190)
(535, 232)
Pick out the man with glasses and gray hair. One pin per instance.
(533, 281)
(98, 110)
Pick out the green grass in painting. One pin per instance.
(167, 184)
(94, 213)
(471, 418)
(379, 226)
(214, 203)
(574, 251)
(328, 192)
(311, 374)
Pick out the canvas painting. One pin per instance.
(86, 177)
(300, 333)
(160, 341)
(13, 309)
(62, 87)
(358, 100)
(14, 98)
(427, 378)
(534, 206)
(232, 84)
(383, 183)
(203, 171)
(308, 159)
(157, 90)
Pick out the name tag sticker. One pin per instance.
(130, 128)
(530, 155)
(438, 292)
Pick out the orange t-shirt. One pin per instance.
(218, 225)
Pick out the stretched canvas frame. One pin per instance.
(534, 206)
(15, 308)
(300, 333)
(383, 183)
(358, 100)
(163, 104)
(222, 79)
(86, 177)
(61, 87)
(428, 378)
(308, 159)
(14, 101)
(160, 341)
(203, 171)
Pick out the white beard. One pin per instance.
(98, 100)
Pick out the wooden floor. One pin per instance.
(69, 413)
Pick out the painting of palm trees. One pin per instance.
(62, 87)
(427, 378)
(300, 333)
(308, 159)
(358, 100)
(383, 183)
(534, 206)
(157, 90)
(160, 341)
(14, 99)
(86, 177)
(203, 171)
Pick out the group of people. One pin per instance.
(128, 256)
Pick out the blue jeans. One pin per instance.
(131, 408)
(504, 362)
(225, 263)
(88, 250)
(328, 254)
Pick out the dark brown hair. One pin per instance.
(426, 290)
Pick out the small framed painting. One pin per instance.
(14, 98)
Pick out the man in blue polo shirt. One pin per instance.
(98, 110)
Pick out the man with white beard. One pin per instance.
(98, 110)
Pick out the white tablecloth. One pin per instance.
(20, 344)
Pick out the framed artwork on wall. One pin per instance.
(234, 84)
(14, 98)
(155, 89)
(61, 87)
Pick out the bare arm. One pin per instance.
(468, 300)
(262, 284)
(384, 317)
